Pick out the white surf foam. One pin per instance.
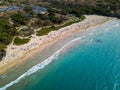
(39, 66)
(109, 28)
(117, 25)
(83, 37)
(91, 33)
(113, 26)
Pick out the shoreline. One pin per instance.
(42, 42)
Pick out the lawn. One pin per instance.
(19, 41)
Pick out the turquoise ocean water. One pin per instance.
(88, 63)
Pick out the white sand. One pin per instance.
(18, 54)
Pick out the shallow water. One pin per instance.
(88, 62)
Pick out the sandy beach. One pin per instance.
(17, 55)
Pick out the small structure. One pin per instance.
(26, 31)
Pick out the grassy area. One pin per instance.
(45, 31)
(19, 41)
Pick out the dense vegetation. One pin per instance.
(101, 7)
(7, 31)
(20, 19)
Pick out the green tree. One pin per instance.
(20, 19)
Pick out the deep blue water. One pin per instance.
(93, 64)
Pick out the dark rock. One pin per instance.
(99, 41)
(2, 54)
